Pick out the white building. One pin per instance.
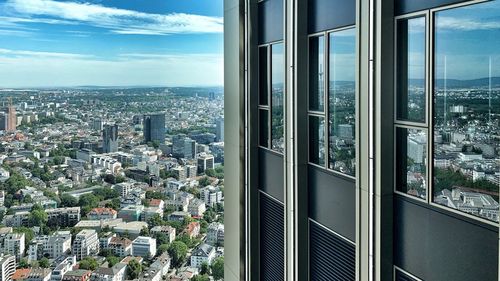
(7, 267)
(202, 253)
(14, 245)
(215, 234)
(86, 244)
(205, 161)
(115, 273)
(196, 208)
(62, 268)
(165, 229)
(144, 247)
(211, 195)
(58, 244)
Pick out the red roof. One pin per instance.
(100, 211)
(21, 274)
(155, 202)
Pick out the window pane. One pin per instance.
(342, 101)
(411, 161)
(316, 73)
(263, 77)
(317, 140)
(264, 127)
(277, 79)
(410, 70)
(467, 109)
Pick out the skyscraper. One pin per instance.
(110, 138)
(154, 127)
(11, 117)
(219, 128)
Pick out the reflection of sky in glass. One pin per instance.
(468, 37)
(278, 60)
(342, 54)
(416, 48)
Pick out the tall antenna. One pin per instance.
(445, 90)
(489, 92)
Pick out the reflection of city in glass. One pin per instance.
(342, 101)
(411, 160)
(316, 73)
(317, 140)
(277, 82)
(410, 70)
(467, 109)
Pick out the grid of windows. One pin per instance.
(271, 96)
(456, 66)
(332, 100)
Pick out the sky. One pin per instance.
(52, 43)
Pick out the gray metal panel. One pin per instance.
(271, 19)
(329, 14)
(271, 178)
(437, 245)
(332, 201)
(408, 6)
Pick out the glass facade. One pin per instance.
(411, 160)
(466, 170)
(338, 76)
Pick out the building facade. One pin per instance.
(110, 138)
(349, 143)
(86, 244)
(154, 127)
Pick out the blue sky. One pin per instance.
(46, 43)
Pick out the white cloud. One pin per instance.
(65, 69)
(119, 21)
(465, 24)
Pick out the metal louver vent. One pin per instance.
(400, 275)
(332, 258)
(272, 240)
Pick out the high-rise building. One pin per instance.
(110, 138)
(183, 147)
(219, 129)
(154, 127)
(11, 122)
(13, 244)
(205, 161)
(358, 140)
(97, 124)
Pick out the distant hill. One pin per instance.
(455, 83)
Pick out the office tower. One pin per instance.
(183, 147)
(110, 138)
(339, 147)
(205, 161)
(154, 127)
(11, 122)
(219, 128)
(97, 124)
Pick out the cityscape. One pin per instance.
(104, 183)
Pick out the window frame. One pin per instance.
(326, 108)
(268, 107)
(428, 126)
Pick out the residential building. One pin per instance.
(120, 246)
(58, 244)
(191, 171)
(215, 234)
(131, 213)
(133, 229)
(178, 216)
(144, 246)
(62, 268)
(77, 275)
(21, 274)
(64, 217)
(193, 229)
(102, 214)
(165, 229)
(204, 253)
(196, 207)
(86, 244)
(39, 274)
(114, 273)
(7, 267)
(13, 244)
(211, 195)
(150, 212)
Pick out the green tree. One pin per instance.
(177, 251)
(23, 263)
(218, 268)
(28, 234)
(200, 277)
(38, 216)
(68, 201)
(112, 260)
(205, 268)
(89, 263)
(44, 262)
(134, 269)
(162, 248)
(156, 220)
(144, 231)
(204, 181)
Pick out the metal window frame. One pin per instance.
(429, 124)
(396, 268)
(326, 107)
